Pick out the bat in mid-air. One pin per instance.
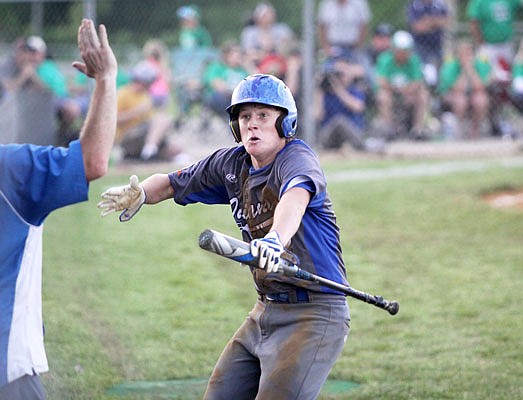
(238, 250)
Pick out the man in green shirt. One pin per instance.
(192, 33)
(492, 27)
(399, 77)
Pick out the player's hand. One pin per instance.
(128, 198)
(268, 250)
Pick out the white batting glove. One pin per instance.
(128, 198)
(268, 250)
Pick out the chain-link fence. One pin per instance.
(330, 53)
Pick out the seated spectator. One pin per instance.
(31, 67)
(341, 105)
(222, 76)
(400, 86)
(464, 81)
(379, 42)
(157, 54)
(264, 36)
(516, 87)
(192, 33)
(143, 131)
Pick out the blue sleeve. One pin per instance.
(202, 182)
(39, 179)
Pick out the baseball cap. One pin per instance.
(144, 72)
(188, 12)
(402, 40)
(35, 43)
(383, 29)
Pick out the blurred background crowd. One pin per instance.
(363, 72)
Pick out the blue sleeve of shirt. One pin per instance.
(39, 179)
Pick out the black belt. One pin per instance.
(294, 296)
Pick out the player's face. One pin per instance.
(259, 134)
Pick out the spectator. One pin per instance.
(157, 54)
(35, 181)
(492, 27)
(343, 27)
(192, 33)
(265, 37)
(222, 76)
(342, 103)
(143, 130)
(428, 20)
(516, 87)
(379, 42)
(32, 67)
(464, 81)
(400, 79)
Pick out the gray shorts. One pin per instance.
(282, 351)
(28, 387)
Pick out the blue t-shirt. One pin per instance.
(34, 181)
(334, 106)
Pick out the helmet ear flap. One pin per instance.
(235, 129)
(279, 123)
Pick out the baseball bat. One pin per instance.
(238, 250)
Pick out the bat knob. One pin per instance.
(393, 307)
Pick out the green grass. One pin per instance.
(140, 301)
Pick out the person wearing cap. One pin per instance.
(39, 72)
(143, 131)
(463, 87)
(400, 78)
(379, 42)
(192, 33)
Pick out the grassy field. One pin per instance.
(140, 301)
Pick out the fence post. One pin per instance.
(307, 122)
(90, 10)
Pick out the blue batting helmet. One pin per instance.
(268, 90)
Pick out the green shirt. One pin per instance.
(495, 17)
(451, 69)
(52, 77)
(398, 75)
(195, 37)
(218, 70)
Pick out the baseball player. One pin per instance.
(277, 193)
(34, 181)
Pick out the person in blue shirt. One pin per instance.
(428, 21)
(341, 104)
(278, 196)
(35, 181)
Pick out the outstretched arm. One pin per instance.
(130, 198)
(97, 133)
